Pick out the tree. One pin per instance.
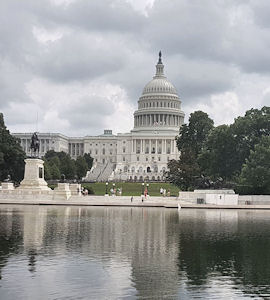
(247, 132)
(255, 173)
(195, 133)
(11, 154)
(227, 147)
(81, 167)
(89, 160)
(218, 157)
(58, 163)
(190, 143)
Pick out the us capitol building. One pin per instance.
(141, 154)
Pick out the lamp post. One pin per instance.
(147, 185)
(114, 190)
(106, 193)
(142, 188)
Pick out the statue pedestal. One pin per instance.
(34, 175)
(7, 186)
(62, 191)
(75, 189)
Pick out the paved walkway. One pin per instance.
(168, 202)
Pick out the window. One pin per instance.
(138, 158)
(124, 149)
(159, 158)
(146, 158)
(124, 159)
(40, 172)
(103, 151)
(96, 151)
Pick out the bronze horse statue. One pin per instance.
(34, 145)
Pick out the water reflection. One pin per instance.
(113, 253)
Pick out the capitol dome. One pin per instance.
(159, 105)
(159, 83)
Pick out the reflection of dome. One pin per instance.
(159, 84)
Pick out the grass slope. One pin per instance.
(131, 188)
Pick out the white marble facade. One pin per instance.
(141, 154)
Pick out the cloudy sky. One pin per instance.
(79, 66)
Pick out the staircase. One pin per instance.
(107, 171)
(100, 172)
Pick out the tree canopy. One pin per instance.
(216, 156)
(11, 154)
(190, 144)
(57, 163)
(255, 174)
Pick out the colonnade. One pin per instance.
(153, 146)
(76, 149)
(157, 120)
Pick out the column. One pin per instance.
(163, 146)
(156, 147)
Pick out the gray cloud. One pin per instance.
(208, 48)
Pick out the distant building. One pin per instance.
(141, 154)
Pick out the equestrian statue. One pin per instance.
(34, 148)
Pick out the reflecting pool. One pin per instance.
(56, 252)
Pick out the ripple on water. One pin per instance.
(146, 253)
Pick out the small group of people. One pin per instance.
(164, 192)
(84, 191)
(116, 191)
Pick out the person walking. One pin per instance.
(145, 193)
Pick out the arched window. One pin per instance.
(148, 170)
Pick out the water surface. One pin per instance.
(50, 252)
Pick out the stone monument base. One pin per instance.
(34, 176)
(7, 186)
(62, 191)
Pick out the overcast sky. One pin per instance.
(79, 66)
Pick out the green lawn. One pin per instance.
(131, 188)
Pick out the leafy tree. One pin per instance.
(190, 143)
(255, 174)
(227, 147)
(89, 160)
(11, 154)
(218, 157)
(247, 132)
(81, 167)
(47, 170)
(55, 172)
(58, 163)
